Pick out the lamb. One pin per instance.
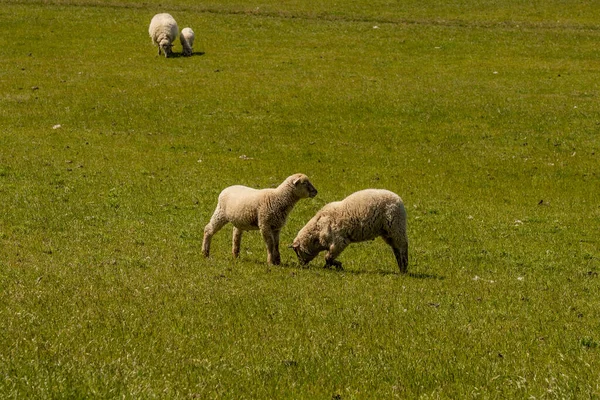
(362, 216)
(257, 209)
(163, 31)
(186, 37)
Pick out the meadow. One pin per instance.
(484, 116)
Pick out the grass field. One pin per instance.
(484, 116)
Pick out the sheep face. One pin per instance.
(303, 188)
(304, 255)
(307, 247)
(167, 47)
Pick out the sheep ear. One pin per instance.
(295, 181)
(295, 248)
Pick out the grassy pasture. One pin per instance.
(483, 117)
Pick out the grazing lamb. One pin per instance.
(163, 31)
(263, 209)
(186, 37)
(363, 215)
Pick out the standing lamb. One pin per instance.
(263, 209)
(163, 31)
(186, 37)
(362, 216)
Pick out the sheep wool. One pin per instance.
(362, 216)
(163, 31)
(186, 37)
(257, 209)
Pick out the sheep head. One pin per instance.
(303, 251)
(302, 186)
(310, 241)
(167, 47)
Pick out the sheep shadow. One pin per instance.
(381, 272)
(357, 272)
(426, 276)
(180, 55)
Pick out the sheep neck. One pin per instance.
(288, 199)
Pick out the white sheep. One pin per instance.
(263, 209)
(362, 216)
(186, 37)
(163, 30)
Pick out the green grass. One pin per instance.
(483, 117)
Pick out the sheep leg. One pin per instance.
(217, 221)
(400, 248)
(237, 241)
(401, 259)
(269, 238)
(276, 254)
(334, 251)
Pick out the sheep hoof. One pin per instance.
(334, 264)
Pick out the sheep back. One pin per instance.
(365, 214)
(240, 205)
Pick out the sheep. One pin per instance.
(163, 31)
(362, 216)
(186, 37)
(257, 209)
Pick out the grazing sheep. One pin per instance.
(186, 37)
(163, 31)
(263, 209)
(363, 215)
